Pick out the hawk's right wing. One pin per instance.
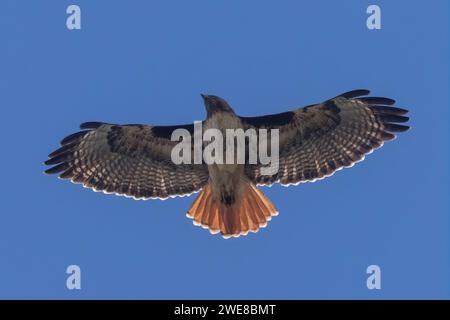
(130, 160)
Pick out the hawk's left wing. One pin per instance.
(130, 160)
(317, 140)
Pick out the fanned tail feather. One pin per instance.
(249, 214)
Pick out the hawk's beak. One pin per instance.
(206, 102)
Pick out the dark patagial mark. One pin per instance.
(330, 105)
(165, 132)
(271, 120)
(113, 138)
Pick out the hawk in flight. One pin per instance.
(314, 142)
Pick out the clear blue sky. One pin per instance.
(147, 62)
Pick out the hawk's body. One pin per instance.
(314, 142)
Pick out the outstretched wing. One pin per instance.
(317, 140)
(130, 160)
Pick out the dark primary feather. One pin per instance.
(355, 93)
(56, 169)
(387, 110)
(377, 100)
(73, 137)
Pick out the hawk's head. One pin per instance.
(215, 104)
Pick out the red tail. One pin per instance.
(250, 213)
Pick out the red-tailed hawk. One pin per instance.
(314, 142)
